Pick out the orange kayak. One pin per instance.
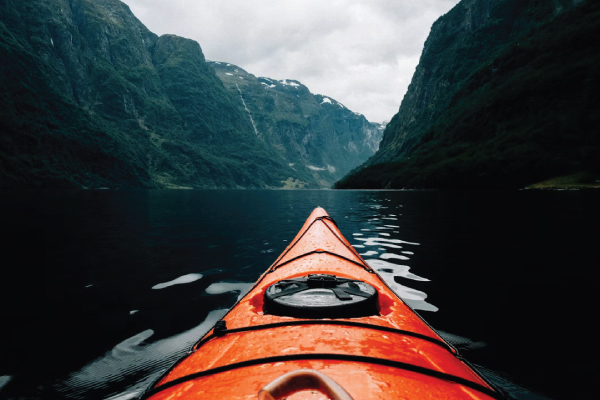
(320, 323)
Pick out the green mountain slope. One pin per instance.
(505, 95)
(319, 137)
(91, 98)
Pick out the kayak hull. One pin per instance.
(393, 354)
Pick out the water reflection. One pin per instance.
(224, 287)
(390, 249)
(134, 357)
(4, 380)
(189, 278)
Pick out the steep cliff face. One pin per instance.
(458, 42)
(319, 137)
(91, 98)
(491, 75)
(434, 82)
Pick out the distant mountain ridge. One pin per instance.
(91, 98)
(315, 134)
(505, 95)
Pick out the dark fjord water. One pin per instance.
(102, 290)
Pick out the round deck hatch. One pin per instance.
(321, 296)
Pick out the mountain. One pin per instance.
(318, 136)
(91, 98)
(505, 95)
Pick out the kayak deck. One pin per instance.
(393, 354)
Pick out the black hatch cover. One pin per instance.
(321, 296)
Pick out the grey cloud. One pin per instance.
(362, 53)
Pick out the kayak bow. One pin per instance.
(321, 321)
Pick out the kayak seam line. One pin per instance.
(296, 242)
(349, 247)
(328, 356)
(403, 332)
(477, 373)
(321, 252)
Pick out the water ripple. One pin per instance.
(224, 287)
(133, 357)
(4, 380)
(181, 280)
(387, 256)
(414, 298)
(386, 242)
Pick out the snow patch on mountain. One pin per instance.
(289, 83)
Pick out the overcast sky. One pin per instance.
(361, 53)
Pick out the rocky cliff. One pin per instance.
(504, 95)
(92, 98)
(319, 137)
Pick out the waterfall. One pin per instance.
(248, 111)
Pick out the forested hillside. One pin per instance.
(505, 95)
(91, 98)
(321, 139)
